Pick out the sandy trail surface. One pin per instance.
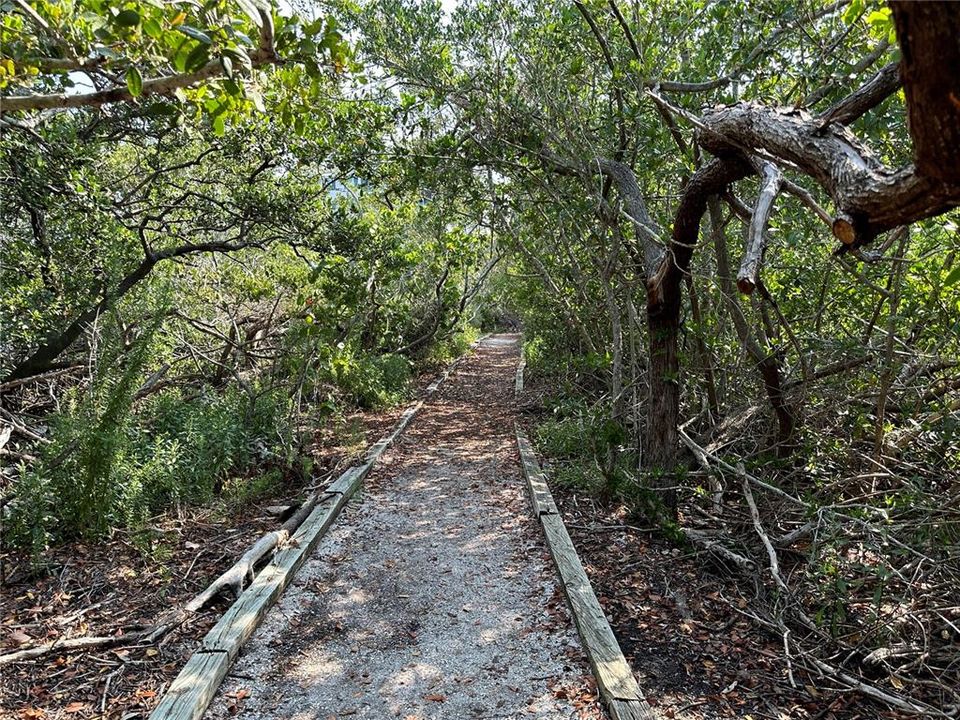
(433, 595)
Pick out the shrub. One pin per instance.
(179, 448)
(370, 381)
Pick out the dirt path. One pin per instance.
(433, 596)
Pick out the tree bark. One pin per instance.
(871, 198)
(927, 33)
(663, 317)
(706, 357)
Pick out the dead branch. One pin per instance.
(740, 472)
(699, 538)
(146, 637)
(758, 526)
(241, 573)
(757, 230)
(912, 706)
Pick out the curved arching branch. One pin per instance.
(870, 197)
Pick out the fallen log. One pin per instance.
(146, 636)
(241, 574)
(234, 579)
(81, 643)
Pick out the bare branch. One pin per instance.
(858, 103)
(871, 197)
(757, 233)
(807, 199)
(626, 181)
(758, 526)
(817, 95)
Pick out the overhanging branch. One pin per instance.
(165, 85)
(870, 197)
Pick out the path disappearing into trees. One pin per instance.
(433, 596)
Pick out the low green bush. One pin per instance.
(178, 448)
(370, 381)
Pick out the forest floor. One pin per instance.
(431, 597)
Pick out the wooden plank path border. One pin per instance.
(193, 689)
(618, 688)
(520, 368)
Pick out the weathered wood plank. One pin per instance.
(347, 483)
(536, 481)
(435, 385)
(405, 420)
(194, 688)
(629, 710)
(615, 680)
(614, 676)
(520, 368)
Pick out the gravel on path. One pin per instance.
(433, 595)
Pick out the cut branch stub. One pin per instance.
(844, 230)
(872, 197)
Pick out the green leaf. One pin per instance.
(152, 28)
(251, 10)
(127, 18)
(254, 96)
(853, 10)
(195, 34)
(952, 278)
(879, 17)
(181, 54)
(134, 81)
(197, 58)
(227, 64)
(239, 58)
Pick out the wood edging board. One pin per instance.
(618, 688)
(192, 691)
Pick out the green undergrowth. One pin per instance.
(178, 448)
(116, 460)
(587, 450)
(445, 351)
